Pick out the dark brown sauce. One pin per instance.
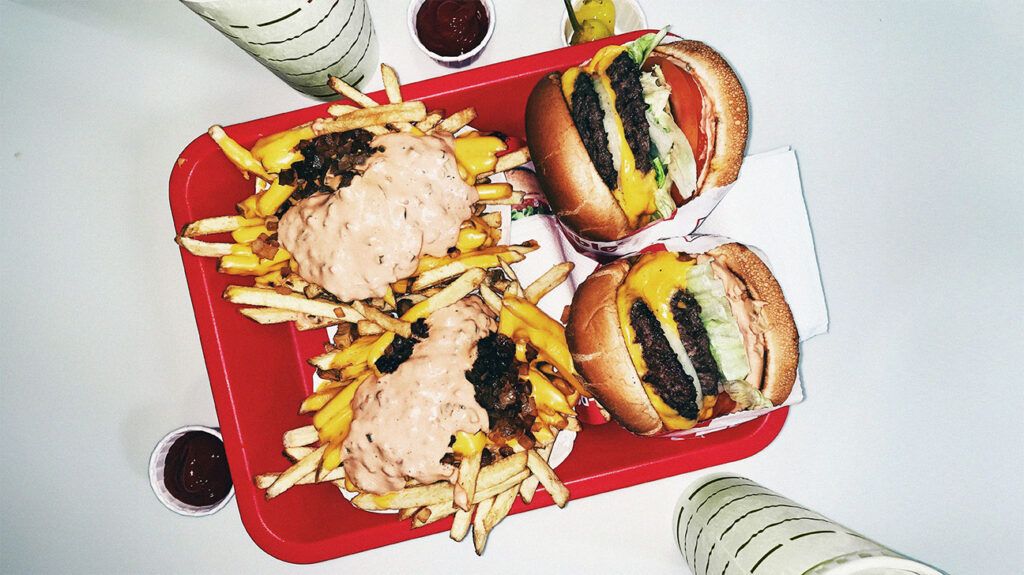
(196, 469)
(451, 27)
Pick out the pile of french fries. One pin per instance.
(479, 497)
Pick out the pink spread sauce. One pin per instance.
(403, 422)
(748, 316)
(408, 202)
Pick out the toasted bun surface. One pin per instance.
(571, 183)
(781, 339)
(725, 91)
(599, 351)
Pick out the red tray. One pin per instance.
(259, 375)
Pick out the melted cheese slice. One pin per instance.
(635, 191)
(655, 278)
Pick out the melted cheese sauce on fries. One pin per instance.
(409, 202)
(403, 421)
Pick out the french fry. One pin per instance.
(397, 326)
(270, 298)
(300, 436)
(305, 466)
(405, 514)
(218, 225)
(307, 322)
(514, 481)
(317, 400)
(459, 266)
(512, 160)
(460, 525)
(492, 219)
(514, 198)
(421, 516)
(573, 424)
(376, 116)
(265, 480)
(452, 293)
(499, 510)
(434, 513)
(428, 123)
(456, 121)
(297, 453)
(341, 109)
(554, 486)
(391, 86)
(514, 288)
(203, 249)
(479, 527)
(366, 327)
(529, 486)
(441, 492)
(525, 247)
(465, 485)
(339, 86)
(490, 298)
(548, 281)
(238, 155)
(488, 192)
(269, 315)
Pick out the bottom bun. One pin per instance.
(599, 351)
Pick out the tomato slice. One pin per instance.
(687, 104)
(723, 405)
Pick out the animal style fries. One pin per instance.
(491, 467)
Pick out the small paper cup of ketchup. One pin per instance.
(452, 32)
(189, 472)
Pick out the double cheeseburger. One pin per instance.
(637, 131)
(666, 340)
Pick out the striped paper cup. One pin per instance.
(301, 41)
(729, 525)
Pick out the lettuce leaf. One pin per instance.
(669, 141)
(642, 47)
(716, 315)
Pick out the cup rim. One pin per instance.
(633, 4)
(414, 6)
(156, 479)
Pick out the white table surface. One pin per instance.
(907, 120)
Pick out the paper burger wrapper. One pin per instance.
(730, 525)
(685, 220)
(301, 42)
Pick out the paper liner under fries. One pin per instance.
(728, 524)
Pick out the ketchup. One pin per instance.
(451, 27)
(196, 469)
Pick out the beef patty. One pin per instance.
(686, 312)
(664, 372)
(588, 117)
(629, 103)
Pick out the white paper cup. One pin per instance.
(156, 475)
(301, 42)
(629, 16)
(726, 524)
(451, 61)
